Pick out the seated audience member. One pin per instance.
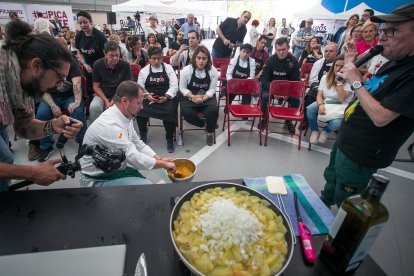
(260, 55)
(136, 54)
(331, 92)
(114, 129)
(198, 82)
(319, 69)
(175, 46)
(183, 56)
(280, 66)
(312, 52)
(242, 67)
(122, 50)
(161, 85)
(71, 46)
(369, 37)
(108, 73)
(151, 41)
(68, 98)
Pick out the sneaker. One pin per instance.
(34, 152)
(290, 127)
(170, 145)
(314, 137)
(323, 137)
(209, 138)
(45, 154)
(143, 136)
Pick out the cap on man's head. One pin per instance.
(400, 14)
(153, 16)
(247, 47)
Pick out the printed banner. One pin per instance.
(61, 14)
(5, 8)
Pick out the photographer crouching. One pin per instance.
(29, 65)
(114, 129)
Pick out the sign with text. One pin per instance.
(5, 8)
(61, 14)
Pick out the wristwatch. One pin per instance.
(356, 85)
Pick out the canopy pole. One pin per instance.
(346, 5)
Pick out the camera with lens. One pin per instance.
(137, 15)
(108, 160)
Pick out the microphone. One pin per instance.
(374, 51)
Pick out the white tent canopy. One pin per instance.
(199, 8)
(319, 12)
(152, 6)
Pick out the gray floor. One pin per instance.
(395, 245)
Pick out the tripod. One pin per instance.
(139, 30)
(410, 152)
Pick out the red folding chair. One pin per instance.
(282, 88)
(166, 59)
(242, 87)
(135, 68)
(222, 84)
(219, 62)
(305, 70)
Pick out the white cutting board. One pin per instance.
(102, 261)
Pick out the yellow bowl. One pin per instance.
(182, 162)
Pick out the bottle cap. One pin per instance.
(378, 184)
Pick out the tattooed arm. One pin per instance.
(27, 126)
(49, 100)
(77, 93)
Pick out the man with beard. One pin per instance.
(183, 56)
(280, 66)
(115, 129)
(260, 55)
(231, 34)
(29, 65)
(175, 46)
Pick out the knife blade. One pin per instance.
(141, 269)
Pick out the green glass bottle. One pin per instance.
(359, 221)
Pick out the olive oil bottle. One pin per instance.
(359, 221)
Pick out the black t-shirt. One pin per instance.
(67, 89)
(92, 47)
(109, 79)
(174, 46)
(376, 147)
(232, 32)
(276, 69)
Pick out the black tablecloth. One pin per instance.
(138, 216)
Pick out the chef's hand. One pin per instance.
(152, 99)
(162, 100)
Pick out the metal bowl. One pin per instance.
(182, 162)
(187, 196)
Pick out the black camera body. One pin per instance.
(137, 15)
(108, 160)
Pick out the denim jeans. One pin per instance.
(216, 54)
(297, 52)
(5, 156)
(312, 114)
(89, 182)
(44, 113)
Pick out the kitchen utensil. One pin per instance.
(305, 235)
(141, 269)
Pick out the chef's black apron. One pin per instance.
(159, 83)
(198, 87)
(241, 73)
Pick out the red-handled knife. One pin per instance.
(305, 235)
